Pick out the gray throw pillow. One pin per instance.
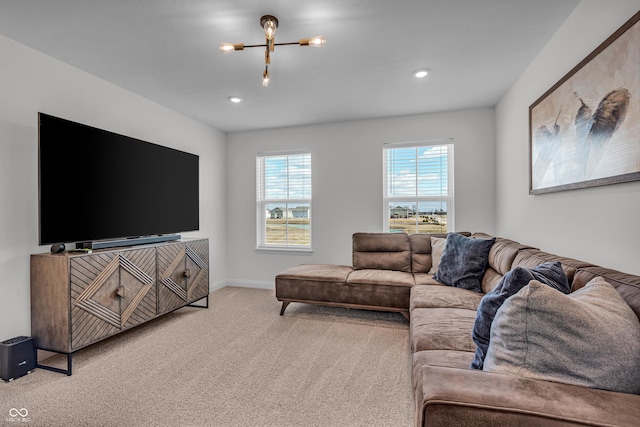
(590, 337)
(437, 248)
(464, 261)
(549, 273)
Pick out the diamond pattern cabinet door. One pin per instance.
(138, 278)
(197, 258)
(172, 286)
(94, 309)
(110, 292)
(183, 274)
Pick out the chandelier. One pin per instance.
(270, 24)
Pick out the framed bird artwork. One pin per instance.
(585, 130)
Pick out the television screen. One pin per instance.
(98, 185)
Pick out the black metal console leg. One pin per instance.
(69, 369)
(206, 304)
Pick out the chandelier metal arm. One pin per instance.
(275, 44)
(255, 45)
(286, 44)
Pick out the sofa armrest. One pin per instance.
(465, 397)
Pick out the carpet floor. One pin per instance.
(237, 363)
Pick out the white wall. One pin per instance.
(32, 82)
(347, 183)
(599, 225)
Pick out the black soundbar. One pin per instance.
(133, 241)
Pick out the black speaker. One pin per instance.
(17, 358)
(57, 248)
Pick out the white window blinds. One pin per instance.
(283, 200)
(418, 187)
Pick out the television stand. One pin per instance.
(78, 299)
(133, 241)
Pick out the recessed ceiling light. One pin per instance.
(235, 99)
(423, 72)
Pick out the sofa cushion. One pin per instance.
(529, 258)
(502, 254)
(549, 273)
(589, 338)
(627, 285)
(464, 261)
(450, 358)
(317, 272)
(429, 296)
(500, 261)
(437, 248)
(427, 279)
(442, 329)
(380, 288)
(420, 252)
(381, 251)
(490, 280)
(380, 277)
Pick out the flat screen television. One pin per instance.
(95, 185)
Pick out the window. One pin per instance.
(418, 187)
(283, 200)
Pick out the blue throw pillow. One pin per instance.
(463, 262)
(549, 273)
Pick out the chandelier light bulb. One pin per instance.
(265, 78)
(270, 25)
(226, 47)
(230, 47)
(270, 29)
(318, 41)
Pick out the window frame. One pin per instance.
(449, 198)
(262, 202)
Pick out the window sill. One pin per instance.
(284, 250)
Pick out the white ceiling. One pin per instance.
(167, 51)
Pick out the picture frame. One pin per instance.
(585, 130)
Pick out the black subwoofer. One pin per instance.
(17, 358)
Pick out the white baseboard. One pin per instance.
(258, 284)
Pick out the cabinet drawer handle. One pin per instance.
(121, 291)
(187, 273)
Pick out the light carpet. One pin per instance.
(237, 363)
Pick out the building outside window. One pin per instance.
(283, 207)
(418, 187)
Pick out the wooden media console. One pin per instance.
(78, 299)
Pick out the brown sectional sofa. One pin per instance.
(391, 272)
(385, 268)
